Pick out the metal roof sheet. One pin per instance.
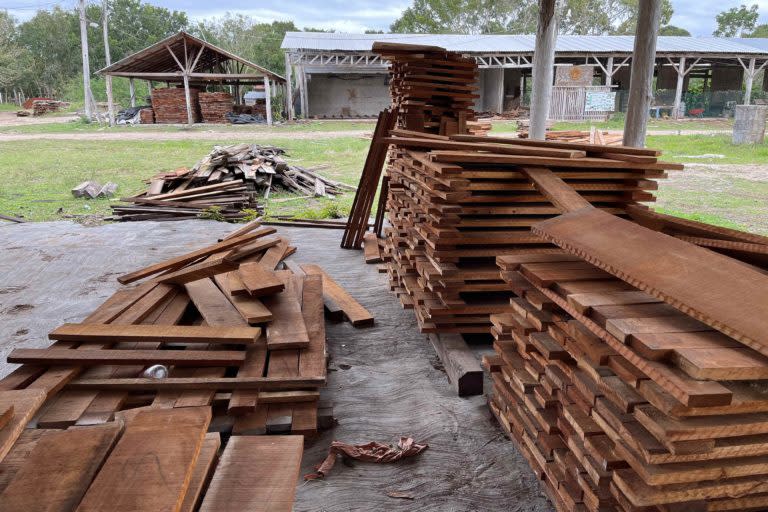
(325, 41)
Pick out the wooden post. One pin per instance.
(304, 95)
(641, 81)
(87, 94)
(289, 89)
(268, 99)
(677, 114)
(132, 92)
(609, 74)
(543, 68)
(108, 78)
(750, 78)
(190, 119)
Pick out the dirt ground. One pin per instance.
(129, 133)
(383, 381)
(10, 119)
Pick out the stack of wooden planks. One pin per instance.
(432, 90)
(242, 345)
(230, 179)
(593, 136)
(214, 106)
(146, 116)
(456, 203)
(631, 370)
(170, 105)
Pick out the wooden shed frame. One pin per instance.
(185, 59)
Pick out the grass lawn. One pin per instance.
(618, 124)
(78, 126)
(38, 176)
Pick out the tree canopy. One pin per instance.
(671, 30)
(736, 21)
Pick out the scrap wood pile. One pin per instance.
(593, 136)
(214, 106)
(231, 178)
(170, 105)
(243, 351)
(632, 371)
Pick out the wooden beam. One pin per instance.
(189, 383)
(556, 190)
(110, 333)
(95, 357)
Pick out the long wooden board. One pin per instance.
(271, 464)
(259, 280)
(354, 311)
(677, 272)
(151, 467)
(190, 383)
(107, 333)
(55, 356)
(203, 472)
(59, 470)
(287, 329)
(25, 403)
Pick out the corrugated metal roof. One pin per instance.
(521, 43)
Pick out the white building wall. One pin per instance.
(348, 95)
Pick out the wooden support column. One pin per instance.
(268, 99)
(641, 81)
(543, 68)
(677, 114)
(188, 99)
(609, 73)
(303, 94)
(750, 78)
(132, 92)
(289, 89)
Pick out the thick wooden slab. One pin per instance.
(190, 383)
(259, 280)
(562, 195)
(55, 356)
(215, 308)
(152, 465)
(203, 472)
(250, 308)
(24, 403)
(287, 329)
(59, 469)
(208, 268)
(271, 464)
(356, 313)
(736, 298)
(107, 333)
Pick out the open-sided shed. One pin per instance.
(185, 59)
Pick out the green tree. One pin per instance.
(14, 59)
(671, 30)
(736, 21)
(760, 31)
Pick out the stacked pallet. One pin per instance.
(170, 105)
(216, 341)
(222, 185)
(432, 90)
(632, 385)
(214, 106)
(456, 203)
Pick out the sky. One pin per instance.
(697, 16)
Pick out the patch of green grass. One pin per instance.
(285, 128)
(681, 148)
(702, 217)
(37, 178)
(8, 107)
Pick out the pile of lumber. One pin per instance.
(146, 116)
(45, 106)
(214, 106)
(631, 372)
(432, 90)
(456, 203)
(243, 352)
(229, 179)
(170, 105)
(593, 136)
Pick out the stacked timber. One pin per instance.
(44, 106)
(632, 370)
(170, 105)
(146, 116)
(214, 106)
(222, 185)
(242, 346)
(456, 203)
(593, 136)
(432, 90)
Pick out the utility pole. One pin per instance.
(87, 95)
(105, 27)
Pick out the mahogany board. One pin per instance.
(190, 383)
(213, 305)
(208, 268)
(203, 471)
(736, 298)
(250, 308)
(312, 360)
(152, 464)
(192, 256)
(25, 403)
(358, 316)
(592, 148)
(271, 464)
(287, 329)
(6, 415)
(562, 195)
(259, 280)
(56, 356)
(108, 333)
(59, 469)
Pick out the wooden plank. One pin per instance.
(275, 255)
(6, 415)
(287, 329)
(259, 280)
(17, 456)
(250, 308)
(736, 298)
(215, 308)
(592, 148)
(461, 366)
(59, 469)
(108, 333)
(555, 189)
(203, 472)
(116, 304)
(152, 465)
(272, 464)
(371, 250)
(25, 403)
(312, 360)
(242, 230)
(208, 268)
(54, 356)
(504, 149)
(358, 316)
(184, 259)
(211, 383)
